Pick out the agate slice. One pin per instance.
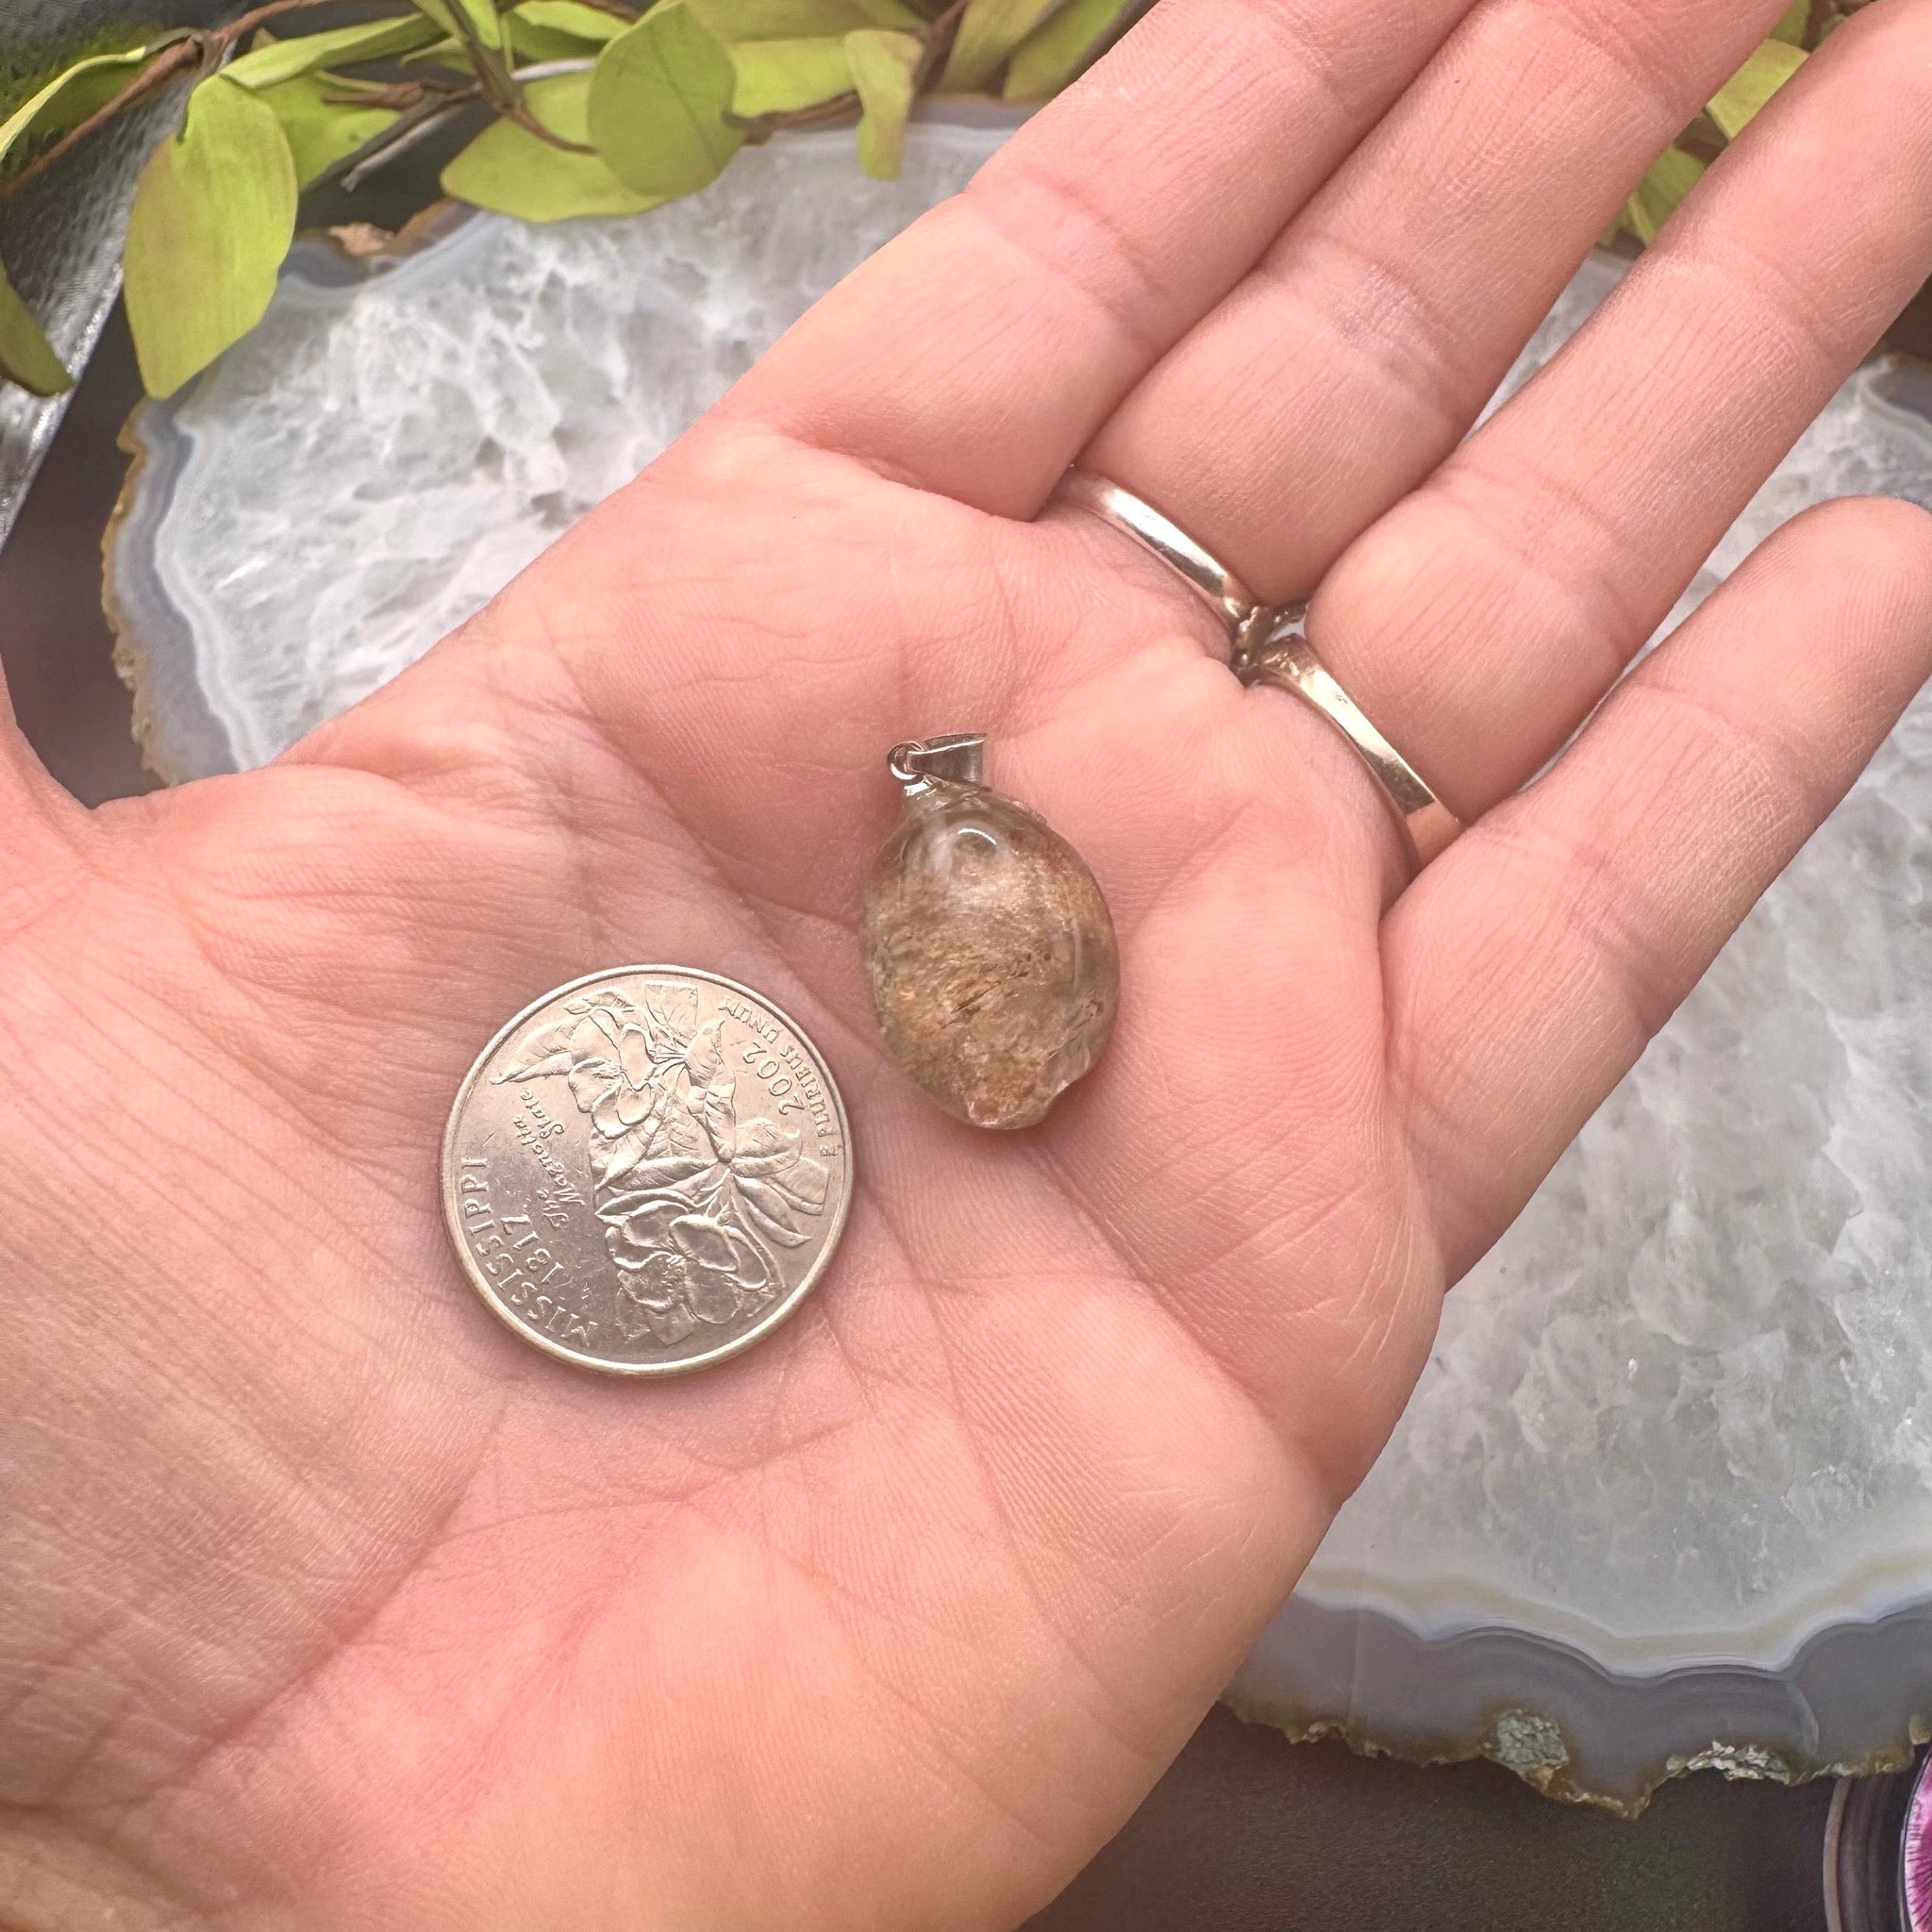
(990, 952)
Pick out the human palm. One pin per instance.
(329, 1603)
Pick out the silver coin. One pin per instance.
(647, 1170)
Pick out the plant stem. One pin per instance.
(174, 58)
(197, 49)
(551, 69)
(413, 128)
(517, 112)
(939, 47)
(760, 127)
(207, 48)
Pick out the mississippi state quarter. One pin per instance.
(647, 1170)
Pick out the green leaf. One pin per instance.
(485, 22)
(659, 102)
(321, 131)
(1742, 99)
(560, 29)
(1792, 27)
(1057, 50)
(87, 90)
(71, 96)
(571, 17)
(883, 65)
(506, 168)
(734, 22)
(479, 17)
(779, 76)
(212, 217)
(274, 61)
(438, 10)
(1662, 192)
(529, 43)
(25, 355)
(989, 32)
(448, 53)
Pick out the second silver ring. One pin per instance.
(1271, 646)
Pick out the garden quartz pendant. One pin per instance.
(990, 953)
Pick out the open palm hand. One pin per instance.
(324, 1603)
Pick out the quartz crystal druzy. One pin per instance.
(401, 436)
(990, 955)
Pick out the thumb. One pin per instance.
(44, 828)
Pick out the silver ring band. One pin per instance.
(1271, 646)
(1211, 581)
(1275, 650)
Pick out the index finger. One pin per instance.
(978, 353)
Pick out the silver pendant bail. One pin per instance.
(956, 759)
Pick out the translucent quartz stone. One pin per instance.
(990, 955)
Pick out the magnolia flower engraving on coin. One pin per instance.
(647, 1170)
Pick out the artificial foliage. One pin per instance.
(596, 108)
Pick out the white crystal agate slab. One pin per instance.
(1687, 1401)
(1665, 1492)
(1663, 1497)
(398, 438)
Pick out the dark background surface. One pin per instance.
(1247, 1832)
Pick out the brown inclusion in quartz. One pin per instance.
(990, 952)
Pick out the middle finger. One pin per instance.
(1346, 366)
